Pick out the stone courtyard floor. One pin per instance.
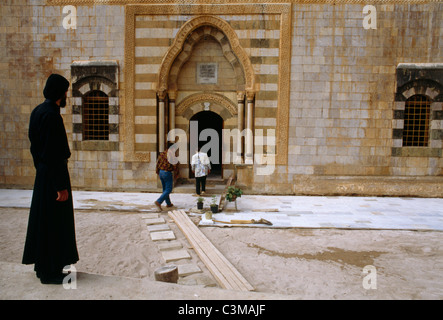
(317, 248)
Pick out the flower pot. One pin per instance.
(214, 209)
(200, 205)
(208, 215)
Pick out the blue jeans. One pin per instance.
(166, 179)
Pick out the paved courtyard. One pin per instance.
(283, 211)
(316, 248)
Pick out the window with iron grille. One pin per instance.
(416, 121)
(95, 116)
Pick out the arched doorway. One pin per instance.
(206, 66)
(206, 131)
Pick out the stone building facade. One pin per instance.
(332, 97)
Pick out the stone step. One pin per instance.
(149, 215)
(158, 227)
(174, 255)
(153, 221)
(188, 269)
(162, 235)
(169, 245)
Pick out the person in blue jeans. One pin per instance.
(166, 170)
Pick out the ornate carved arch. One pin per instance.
(206, 97)
(191, 41)
(182, 36)
(90, 83)
(426, 87)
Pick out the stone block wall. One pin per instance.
(35, 44)
(343, 92)
(343, 86)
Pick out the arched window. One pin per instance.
(95, 116)
(416, 121)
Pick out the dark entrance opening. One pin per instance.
(208, 120)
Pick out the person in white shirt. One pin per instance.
(201, 166)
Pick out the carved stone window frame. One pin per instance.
(419, 79)
(90, 76)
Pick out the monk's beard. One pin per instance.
(63, 103)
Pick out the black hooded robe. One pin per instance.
(50, 240)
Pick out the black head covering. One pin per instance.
(55, 87)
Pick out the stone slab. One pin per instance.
(150, 216)
(174, 255)
(158, 227)
(170, 245)
(154, 221)
(188, 269)
(162, 235)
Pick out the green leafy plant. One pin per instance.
(214, 201)
(214, 206)
(200, 201)
(233, 193)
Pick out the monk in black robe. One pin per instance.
(50, 241)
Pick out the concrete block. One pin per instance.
(162, 235)
(149, 215)
(158, 227)
(188, 269)
(154, 221)
(170, 245)
(174, 255)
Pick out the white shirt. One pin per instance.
(200, 164)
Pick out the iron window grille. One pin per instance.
(416, 121)
(96, 116)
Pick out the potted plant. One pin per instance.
(214, 205)
(233, 193)
(200, 201)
